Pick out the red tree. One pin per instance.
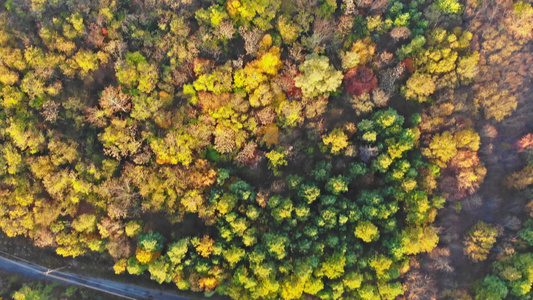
(360, 80)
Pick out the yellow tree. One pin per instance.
(479, 240)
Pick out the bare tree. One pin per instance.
(251, 39)
(113, 100)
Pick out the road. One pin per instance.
(125, 291)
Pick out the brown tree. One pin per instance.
(360, 80)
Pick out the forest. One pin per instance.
(268, 149)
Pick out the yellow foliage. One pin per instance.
(270, 62)
(467, 138)
(266, 42)
(146, 257)
(480, 240)
(208, 283)
(270, 134)
(192, 200)
(290, 113)
(442, 148)
(415, 240)
(120, 266)
(205, 248)
(365, 49)
(336, 139)
(7, 76)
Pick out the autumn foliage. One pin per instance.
(360, 80)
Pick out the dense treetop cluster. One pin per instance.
(308, 138)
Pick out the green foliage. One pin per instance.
(160, 270)
(38, 292)
(177, 251)
(449, 6)
(491, 287)
(309, 193)
(135, 267)
(526, 233)
(337, 185)
(333, 266)
(137, 73)
(152, 241)
(416, 44)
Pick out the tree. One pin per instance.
(521, 179)
(322, 170)
(178, 250)
(176, 147)
(479, 240)
(113, 100)
(151, 241)
(288, 30)
(276, 245)
(318, 77)
(85, 223)
(366, 231)
(136, 72)
(418, 239)
(233, 255)
(276, 159)
(337, 185)
(161, 270)
(309, 192)
(419, 87)
(449, 6)
(333, 266)
(519, 20)
(491, 287)
(336, 139)
(259, 12)
(467, 138)
(36, 293)
(360, 80)
(120, 138)
(514, 272)
(497, 103)
(442, 148)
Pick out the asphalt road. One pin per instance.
(125, 291)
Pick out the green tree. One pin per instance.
(449, 6)
(177, 251)
(151, 241)
(491, 287)
(337, 185)
(38, 292)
